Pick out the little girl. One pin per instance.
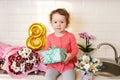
(61, 38)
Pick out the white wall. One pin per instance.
(100, 18)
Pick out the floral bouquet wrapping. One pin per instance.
(3, 46)
(20, 61)
(53, 55)
(89, 64)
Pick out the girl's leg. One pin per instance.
(51, 74)
(68, 75)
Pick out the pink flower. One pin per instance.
(83, 35)
(91, 37)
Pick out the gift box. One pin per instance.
(53, 55)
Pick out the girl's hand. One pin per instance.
(68, 58)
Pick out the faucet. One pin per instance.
(117, 59)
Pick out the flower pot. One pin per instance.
(87, 76)
(87, 53)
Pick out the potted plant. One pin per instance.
(87, 47)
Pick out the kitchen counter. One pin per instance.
(41, 77)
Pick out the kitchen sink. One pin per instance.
(112, 67)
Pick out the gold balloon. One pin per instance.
(35, 43)
(37, 37)
(37, 29)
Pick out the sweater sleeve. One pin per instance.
(74, 46)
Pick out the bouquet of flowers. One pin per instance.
(89, 64)
(23, 61)
(87, 46)
(20, 61)
(1, 62)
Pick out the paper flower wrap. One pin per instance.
(89, 64)
(3, 46)
(20, 61)
(53, 55)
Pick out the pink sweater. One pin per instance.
(68, 42)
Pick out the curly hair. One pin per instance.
(61, 11)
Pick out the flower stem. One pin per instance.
(86, 41)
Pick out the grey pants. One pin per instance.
(52, 74)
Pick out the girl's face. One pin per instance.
(58, 23)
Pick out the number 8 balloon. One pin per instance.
(37, 36)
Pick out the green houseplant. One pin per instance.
(87, 47)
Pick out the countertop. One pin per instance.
(41, 77)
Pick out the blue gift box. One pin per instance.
(53, 55)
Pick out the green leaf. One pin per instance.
(85, 49)
(81, 47)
